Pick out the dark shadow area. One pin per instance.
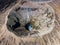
(17, 24)
(39, 0)
(5, 4)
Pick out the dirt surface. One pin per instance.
(53, 38)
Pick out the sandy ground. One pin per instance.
(52, 38)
